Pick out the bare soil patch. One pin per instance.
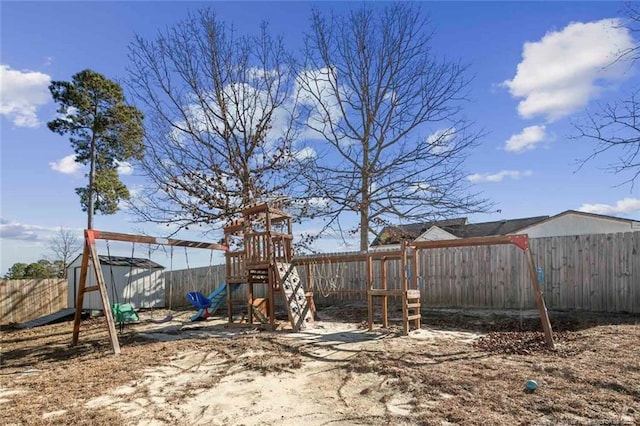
(462, 367)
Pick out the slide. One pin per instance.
(207, 306)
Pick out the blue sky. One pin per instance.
(536, 66)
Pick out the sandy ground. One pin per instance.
(458, 369)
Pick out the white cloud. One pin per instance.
(316, 90)
(66, 165)
(526, 140)
(19, 231)
(21, 93)
(440, 139)
(306, 153)
(565, 69)
(124, 168)
(626, 205)
(498, 177)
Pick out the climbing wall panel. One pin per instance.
(295, 300)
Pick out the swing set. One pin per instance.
(119, 312)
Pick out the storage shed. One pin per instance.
(137, 281)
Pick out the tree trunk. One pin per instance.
(92, 176)
(364, 227)
(364, 210)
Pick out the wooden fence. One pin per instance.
(180, 282)
(599, 273)
(24, 300)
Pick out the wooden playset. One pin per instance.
(258, 252)
(90, 254)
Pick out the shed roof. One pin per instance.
(133, 262)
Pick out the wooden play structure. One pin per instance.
(260, 254)
(90, 254)
(409, 291)
(409, 288)
(377, 281)
(521, 242)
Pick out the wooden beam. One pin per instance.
(521, 241)
(385, 299)
(369, 290)
(542, 308)
(84, 269)
(115, 236)
(104, 296)
(405, 286)
(379, 292)
(413, 294)
(323, 258)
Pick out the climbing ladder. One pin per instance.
(411, 310)
(298, 308)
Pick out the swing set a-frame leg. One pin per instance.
(91, 253)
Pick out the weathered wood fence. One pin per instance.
(598, 273)
(24, 300)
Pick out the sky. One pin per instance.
(536, 67)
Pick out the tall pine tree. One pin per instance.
(104, 132)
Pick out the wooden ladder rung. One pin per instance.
(413, 294)
(413, 305)
(92, 288)
(413, 317)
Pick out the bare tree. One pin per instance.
(386, 116)
(63, 246)
(615, 126)
(220, 126)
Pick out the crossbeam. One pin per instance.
(93, 235)
(520, 241)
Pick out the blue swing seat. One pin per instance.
(208, 305)
(198, 300)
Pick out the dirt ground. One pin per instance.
(461, 367)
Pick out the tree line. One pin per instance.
(62, 248)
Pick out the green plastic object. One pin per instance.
(124, 312)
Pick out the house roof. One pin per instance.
(592, 215)
(499, 227)
(393, 234)
(461, 229)
(457, 227)
(133, 262)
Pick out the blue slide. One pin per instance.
(207, 306)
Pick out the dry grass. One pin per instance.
(592, 376)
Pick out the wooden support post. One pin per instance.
(310, 282)
(403, 282)
(542, 308)
(84, 269)
(272, 278)
(250, 297)
(383, 278)
(414, 281)
(106, 305)
(229, 302)
(370, 288)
